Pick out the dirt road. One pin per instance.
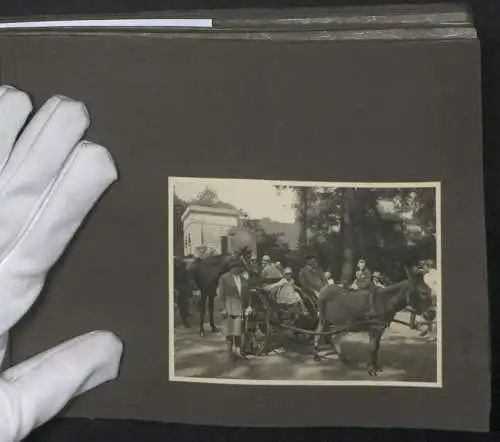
(404, 356)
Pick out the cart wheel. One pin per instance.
(312, 311)
(258, 333)
(266, 330)
(309, 304)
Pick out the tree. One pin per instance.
(179, 208)
(354, 220)
(209, 198)
(267, 243)
(302, 214)
(347, 207)
(305, 199)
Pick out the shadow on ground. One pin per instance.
(403, 354)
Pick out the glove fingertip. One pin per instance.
(69, 106)
(107, 352)
(109, 342)
(20, 99)
(102, 156)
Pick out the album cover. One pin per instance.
(297, 234)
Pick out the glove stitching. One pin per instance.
(17, 420)
(41, 205)
(4, 185)
(24, 403)
(5, 92)
(46, 357)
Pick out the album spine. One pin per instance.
(405, 22)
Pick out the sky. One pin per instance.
(258, 198)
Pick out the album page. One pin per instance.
(296, 237)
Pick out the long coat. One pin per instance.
(233, 301)
(312, 280)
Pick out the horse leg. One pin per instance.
(230, 346)
(413, 321)
(375, 337)
(203, 306)
(317, 339)
(211, 299)
(335, 341)
(183, 304)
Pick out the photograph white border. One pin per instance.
(248, 382)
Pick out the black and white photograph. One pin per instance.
(305, 283)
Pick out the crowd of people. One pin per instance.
(290, 291)
(278, 281)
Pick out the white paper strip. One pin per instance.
(116, 23)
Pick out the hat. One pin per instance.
(266, 258)
(235, 263)
(287, 270)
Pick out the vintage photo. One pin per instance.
(305, 283)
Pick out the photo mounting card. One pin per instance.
(261, 222)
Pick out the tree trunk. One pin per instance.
(178, 231)
(303, 215)
(346, 230)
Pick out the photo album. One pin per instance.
(296, 233)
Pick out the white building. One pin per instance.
(208, 228)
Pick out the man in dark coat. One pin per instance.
(311, 278)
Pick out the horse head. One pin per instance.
(418, 294)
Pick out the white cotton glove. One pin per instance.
(49, 181)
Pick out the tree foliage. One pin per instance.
(389, 227)
(179, 208)
(267, 243)
(209, 198)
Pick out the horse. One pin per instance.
(183, 286)
(347, 310)
(206, 273)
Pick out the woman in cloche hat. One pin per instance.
(234, 295)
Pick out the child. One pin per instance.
(364, 281)
(288, 293)
(363, 277)
(329, 279)
(378, 280)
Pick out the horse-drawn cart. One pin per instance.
(265, 326)
(336, 311)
